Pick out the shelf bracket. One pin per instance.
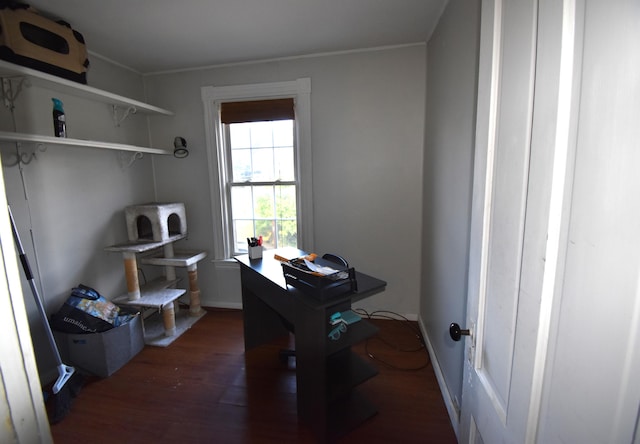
(126, 113)
(25, 158)
(126, 162)
(8, 95)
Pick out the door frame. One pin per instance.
(556, 124)
(21, 402)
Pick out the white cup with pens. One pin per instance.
(255, 247)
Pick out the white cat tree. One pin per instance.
(152, 230)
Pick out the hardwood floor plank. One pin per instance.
(204, 389)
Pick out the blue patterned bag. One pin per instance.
(86, 311)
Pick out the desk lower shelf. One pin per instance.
(355, 333)
(345, 371)
(349, 413)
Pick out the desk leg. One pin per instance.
(261, 323)
(311, 368)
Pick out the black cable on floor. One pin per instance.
(383, 314)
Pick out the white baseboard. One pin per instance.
(227, 305)
(450, 404)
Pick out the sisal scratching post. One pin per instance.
(194, 291)
(169, 319)
(131, 274)
(170, 271)
(176, 307)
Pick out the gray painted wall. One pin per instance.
(452, 62)
(367, 120)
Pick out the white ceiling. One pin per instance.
(164, 35)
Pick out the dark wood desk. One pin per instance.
(327, 372)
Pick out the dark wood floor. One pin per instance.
(204, 389)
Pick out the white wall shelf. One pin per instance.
(7, 136)
(11, 71)
(37, 78)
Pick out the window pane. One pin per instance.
(241, 203)
(287, 227)
(261, 134)
(283, 133)
(263, 164)
(263, 202)
(284, 164)
(266, 229)
(241, 161)
(242, 229)
(285, 202)
(287, 233)
(240, 135)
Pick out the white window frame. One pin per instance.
(212, 97)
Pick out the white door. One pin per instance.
(554, 299)
(497, 373)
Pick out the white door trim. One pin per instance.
(563, 150)
(21, 402)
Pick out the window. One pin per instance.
(262, 184)
(259, 152)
